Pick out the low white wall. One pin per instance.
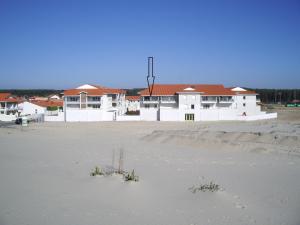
(58, 117)
(128, 118)
(78, 115)
(216, 114)
(7, 118)
(148, 114)
(169, 114)
(265, 116)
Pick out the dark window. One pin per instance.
(244, 104)
(244, 97)
(192, 106)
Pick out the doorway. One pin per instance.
(189, 117)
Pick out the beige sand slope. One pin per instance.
(44, 173)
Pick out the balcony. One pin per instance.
(167, 99)
(150, 100)
(208, 99)
(225, 100)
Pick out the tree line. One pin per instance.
(277, 95)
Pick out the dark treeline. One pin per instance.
(133, 91)
(32, 92)
(277, 95)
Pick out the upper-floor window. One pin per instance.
(151, 98)
(244, 104)
(167, 98)
(209, 98)
(94, 99)
(73, 99)
(244, 97)
(206, 106)
(192, 106)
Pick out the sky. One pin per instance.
(62, 44)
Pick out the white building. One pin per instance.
(198, 102)
(8, 107)
(133, 103)
(93, 103)
(53, 97)
(46, 107)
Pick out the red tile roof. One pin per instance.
(133, 98)
(7, 97)
(48, 103)
(204, 89)
(94, 92)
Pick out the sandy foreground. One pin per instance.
(45, 173)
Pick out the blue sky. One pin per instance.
(62, 44)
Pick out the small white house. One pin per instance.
(53, 97)
(8, 107)
(132, 103)
(199, 102)
(93, 103)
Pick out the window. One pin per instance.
(206, 106)
(192, 106)
(189, 117)
(147, 106)
(244, 97)
(94, 106)
(73, 99)
(244, 104)
(94, 99)
(114, 104)
(155, 105)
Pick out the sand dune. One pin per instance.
(45, 173)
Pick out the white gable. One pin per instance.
(238, 89)
(54, 97)
(86, 86)
(189, 89)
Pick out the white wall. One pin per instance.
(58, 117)
(73, 115)
(265, 116)
(30, 108)
(128, 118)
(6, 118)
(148, 114)
(169, 114)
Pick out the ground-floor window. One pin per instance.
(189, 116)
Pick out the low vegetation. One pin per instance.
(107, 171)
(211, 186)
(131, 176)
(97, 171)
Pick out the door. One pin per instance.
(189, 117)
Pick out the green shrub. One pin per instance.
(131, 176)
(97, 171)
(205, 187)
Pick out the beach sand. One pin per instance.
(45, 173)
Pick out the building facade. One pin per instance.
(133, 103)
(93, 103)
(8, 107)
(198, 102)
